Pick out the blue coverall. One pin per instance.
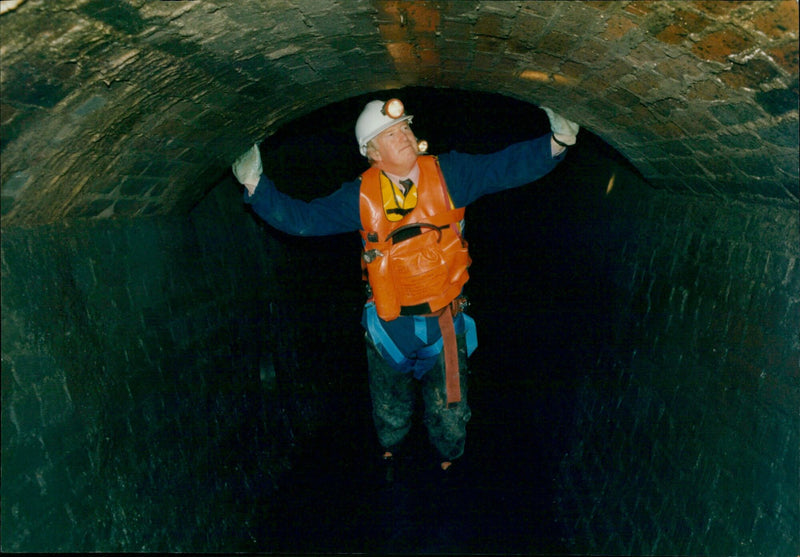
(468, 177)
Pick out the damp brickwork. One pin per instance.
(687, 433)
(137, 108)
(139, 378)
(155, 339)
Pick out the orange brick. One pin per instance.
(718, 7)
(388, 9)
(786, 57)
(672, 34)
(392, 31)
(684, 23)
(617, 27)
(599, 4)
(721, 44)
(423, 17)
(778, 21)
(401, 52)
(429, 57)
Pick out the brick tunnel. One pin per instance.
(179, 376)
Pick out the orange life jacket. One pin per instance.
(416, 263)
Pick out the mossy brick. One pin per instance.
(122, 17)
(742, 140)
(789, 165)
(750, 74)
(25, 456)
(792, 279)
(56, 406)
(30, 369)
(730, 114)
(782, 134)
(32, 85)
(777, 101)
(752, 164)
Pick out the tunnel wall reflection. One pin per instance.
(139, 409)
(686, 432)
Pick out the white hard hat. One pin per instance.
(372, 121)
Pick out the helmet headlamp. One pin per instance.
(393, 108)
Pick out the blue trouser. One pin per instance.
(393, 403)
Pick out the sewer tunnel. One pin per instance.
(179, 376)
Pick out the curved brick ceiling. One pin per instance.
(138, 107)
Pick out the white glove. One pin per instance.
(247, 168)
(563, 130)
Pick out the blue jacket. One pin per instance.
(468, 178)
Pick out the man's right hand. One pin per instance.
(247, 168)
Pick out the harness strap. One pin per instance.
(450, 347)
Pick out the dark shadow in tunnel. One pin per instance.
(537, 294)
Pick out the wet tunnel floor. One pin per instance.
(500, 501)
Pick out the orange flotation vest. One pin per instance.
(415, 259)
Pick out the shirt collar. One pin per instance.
(413, 175)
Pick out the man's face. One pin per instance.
(396, 149)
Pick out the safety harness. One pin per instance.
(415, 259)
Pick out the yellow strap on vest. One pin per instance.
(396, 203)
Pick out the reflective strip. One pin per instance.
(431, 350)
(426, 356)
(471, 332)
(381, 339)
(421, 328)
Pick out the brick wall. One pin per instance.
(153, 383)
(687, 430)
(144, 105)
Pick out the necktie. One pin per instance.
(406, 184)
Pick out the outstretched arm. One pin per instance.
(471, 176)
(332, 214)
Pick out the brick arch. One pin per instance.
(137, 108)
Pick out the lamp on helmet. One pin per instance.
(393, 108)
(376, 117)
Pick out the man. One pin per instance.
(409, 209)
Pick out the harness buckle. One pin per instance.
(459, 304)
(371, 255)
